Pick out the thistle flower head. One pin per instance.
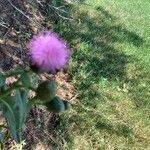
(48, 52)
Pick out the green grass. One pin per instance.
(110, 69)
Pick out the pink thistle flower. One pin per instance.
(48, 52)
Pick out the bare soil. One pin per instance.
(19, 20)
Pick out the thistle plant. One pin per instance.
(48, 53)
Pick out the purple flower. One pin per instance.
(48, 52)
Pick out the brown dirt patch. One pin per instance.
(19, 20)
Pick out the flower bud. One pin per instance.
(57, 105)
(46, 91)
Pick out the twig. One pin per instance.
(7, 32)
(20, 47)
(3, 25)
(18, 9)
(63, 17)
(73, 98)
(54, 140)
(22, 12)
(58, 8)
(39, 2)
(7, 53)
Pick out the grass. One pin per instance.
(110, 70)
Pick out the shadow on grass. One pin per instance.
(97, 51)
(104, 56)
(97, 54)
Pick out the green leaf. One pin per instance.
(9, 114)
(57, 105)
(14, 72)
(2, 80)
(20, 107)
(15, 111)
(2, 136)
(46, 91)
(25, 79)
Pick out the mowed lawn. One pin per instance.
(110, 69)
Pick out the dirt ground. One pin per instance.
(19, 20)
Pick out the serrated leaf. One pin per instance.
(25, 79)
(15, 110)
(9, 114)
(20, 107)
